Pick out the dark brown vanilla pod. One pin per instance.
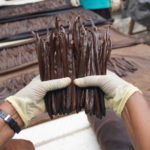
(121, 66)
(76, 52)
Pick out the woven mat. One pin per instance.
(38, 6)
(26, 26)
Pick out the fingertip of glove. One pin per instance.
(61, 83)
(82, 82)
(66, 80)
(78, 81)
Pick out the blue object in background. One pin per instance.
(95, 4)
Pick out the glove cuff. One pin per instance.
(15, 101)
(124, 94)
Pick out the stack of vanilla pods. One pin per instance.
(76, 52)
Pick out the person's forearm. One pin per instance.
(136, 116)
(6, 132)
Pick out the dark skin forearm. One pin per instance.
(136, 116)
(6, 132)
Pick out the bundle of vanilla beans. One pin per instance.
(76, 52)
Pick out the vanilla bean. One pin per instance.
(75, 53)
(70, 71)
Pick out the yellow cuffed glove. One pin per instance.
(29, 101)
(116, 89)
(75, 3)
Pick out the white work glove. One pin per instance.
(116, 89)
(29, 101)
(75, 3)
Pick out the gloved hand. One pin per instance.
(29, 102)
(75, 3)
(116, 89)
